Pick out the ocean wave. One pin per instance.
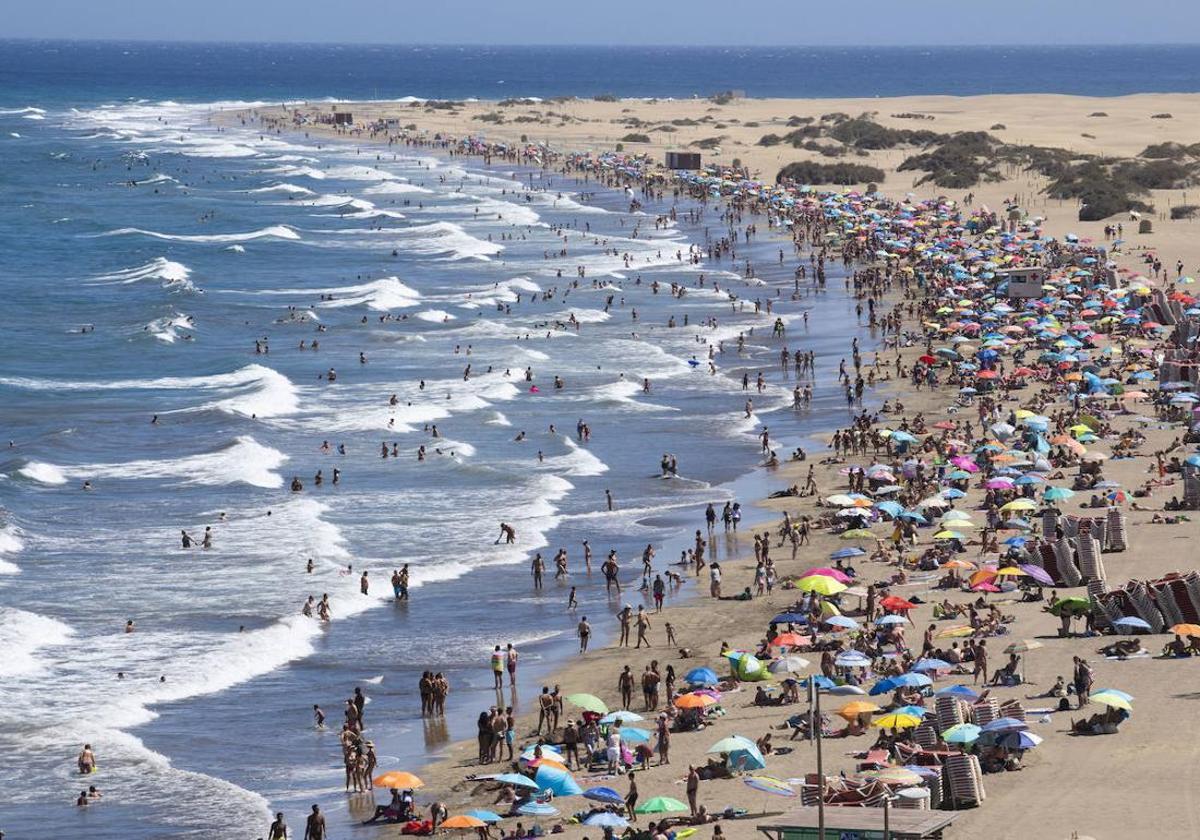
(257, 389)
(172, 275)
(435, 316)
(445, 238)
(166, 329)
(272, 232)
(577, 461)
(290, 189)
(156, 178)
(27, 110)
(244, 461)
(395, 188)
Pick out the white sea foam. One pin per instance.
(10, 543)
(272, 232)
(171, 274)
(381, 295)
(33, 116)
(244, 460)
(22, 635)
(157, 178)
(578, 461)
(436, 316)
(445, 238)
(28, 110)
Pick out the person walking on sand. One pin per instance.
(693, 788)
(625, 686)
(643, 624)
(631, 798)
(980, 662)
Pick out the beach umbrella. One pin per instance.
(1037, 573)
(1112, 700)
(767, 784)
(961, 691)
(894, 776)
(606, 819)
(1020, 740)
(932, 665)
(558, 782)
(790, 618)
(788, 665)
(1019, 504)
(1071, 605)
(896, 721)
(661, 805)
(634, 735)
(1131, 623)
(822, 682)
(843, 553)
(841, 621)
(1115, 691)
(855, 534)
(919, 711)
(701, 676)
(911, 680)
(846, 691)
(963, 733)
(892, 619)
(514, 779)
(743, 753)
(604, 794)
(895, 602)
(399, 779)
(462, 821)
(1185, 629)
(537, 809)
(1056, 494)
(484, 815)
(620, 715)
(548, 751)
(1004, 724)
(588, 702)
(694, 701)
(836, 574)
(789, 640)
(821, 585)
(858, 707)
(852, 659)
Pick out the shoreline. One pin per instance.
(697, 618)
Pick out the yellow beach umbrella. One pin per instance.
(897, 721)
(820, 584)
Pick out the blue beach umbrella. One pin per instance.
(484, 815)
(607, 820)
(558, 782)
(701, 676)
(843, 553)
(604, 794)
(962, 691)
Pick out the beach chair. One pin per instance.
(949, 711)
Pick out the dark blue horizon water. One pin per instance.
(194, 72)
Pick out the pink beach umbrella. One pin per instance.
(840, 577)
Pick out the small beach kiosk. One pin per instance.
(846, 823)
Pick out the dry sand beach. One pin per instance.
(1135, 784)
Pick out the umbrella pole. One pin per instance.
(820, 764)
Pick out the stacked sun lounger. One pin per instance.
(949, 711)
(1178, 597)
(1049, 524)
(1091, 565)
(964, 781)
(926, 735)
(1116, 529)
(1063, 574)
(1064, 557)
(985, 711)
(1012, 709)
(846, 792)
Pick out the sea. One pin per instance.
(160, 270)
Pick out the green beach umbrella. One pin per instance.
(588, 702)
(661, 805)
